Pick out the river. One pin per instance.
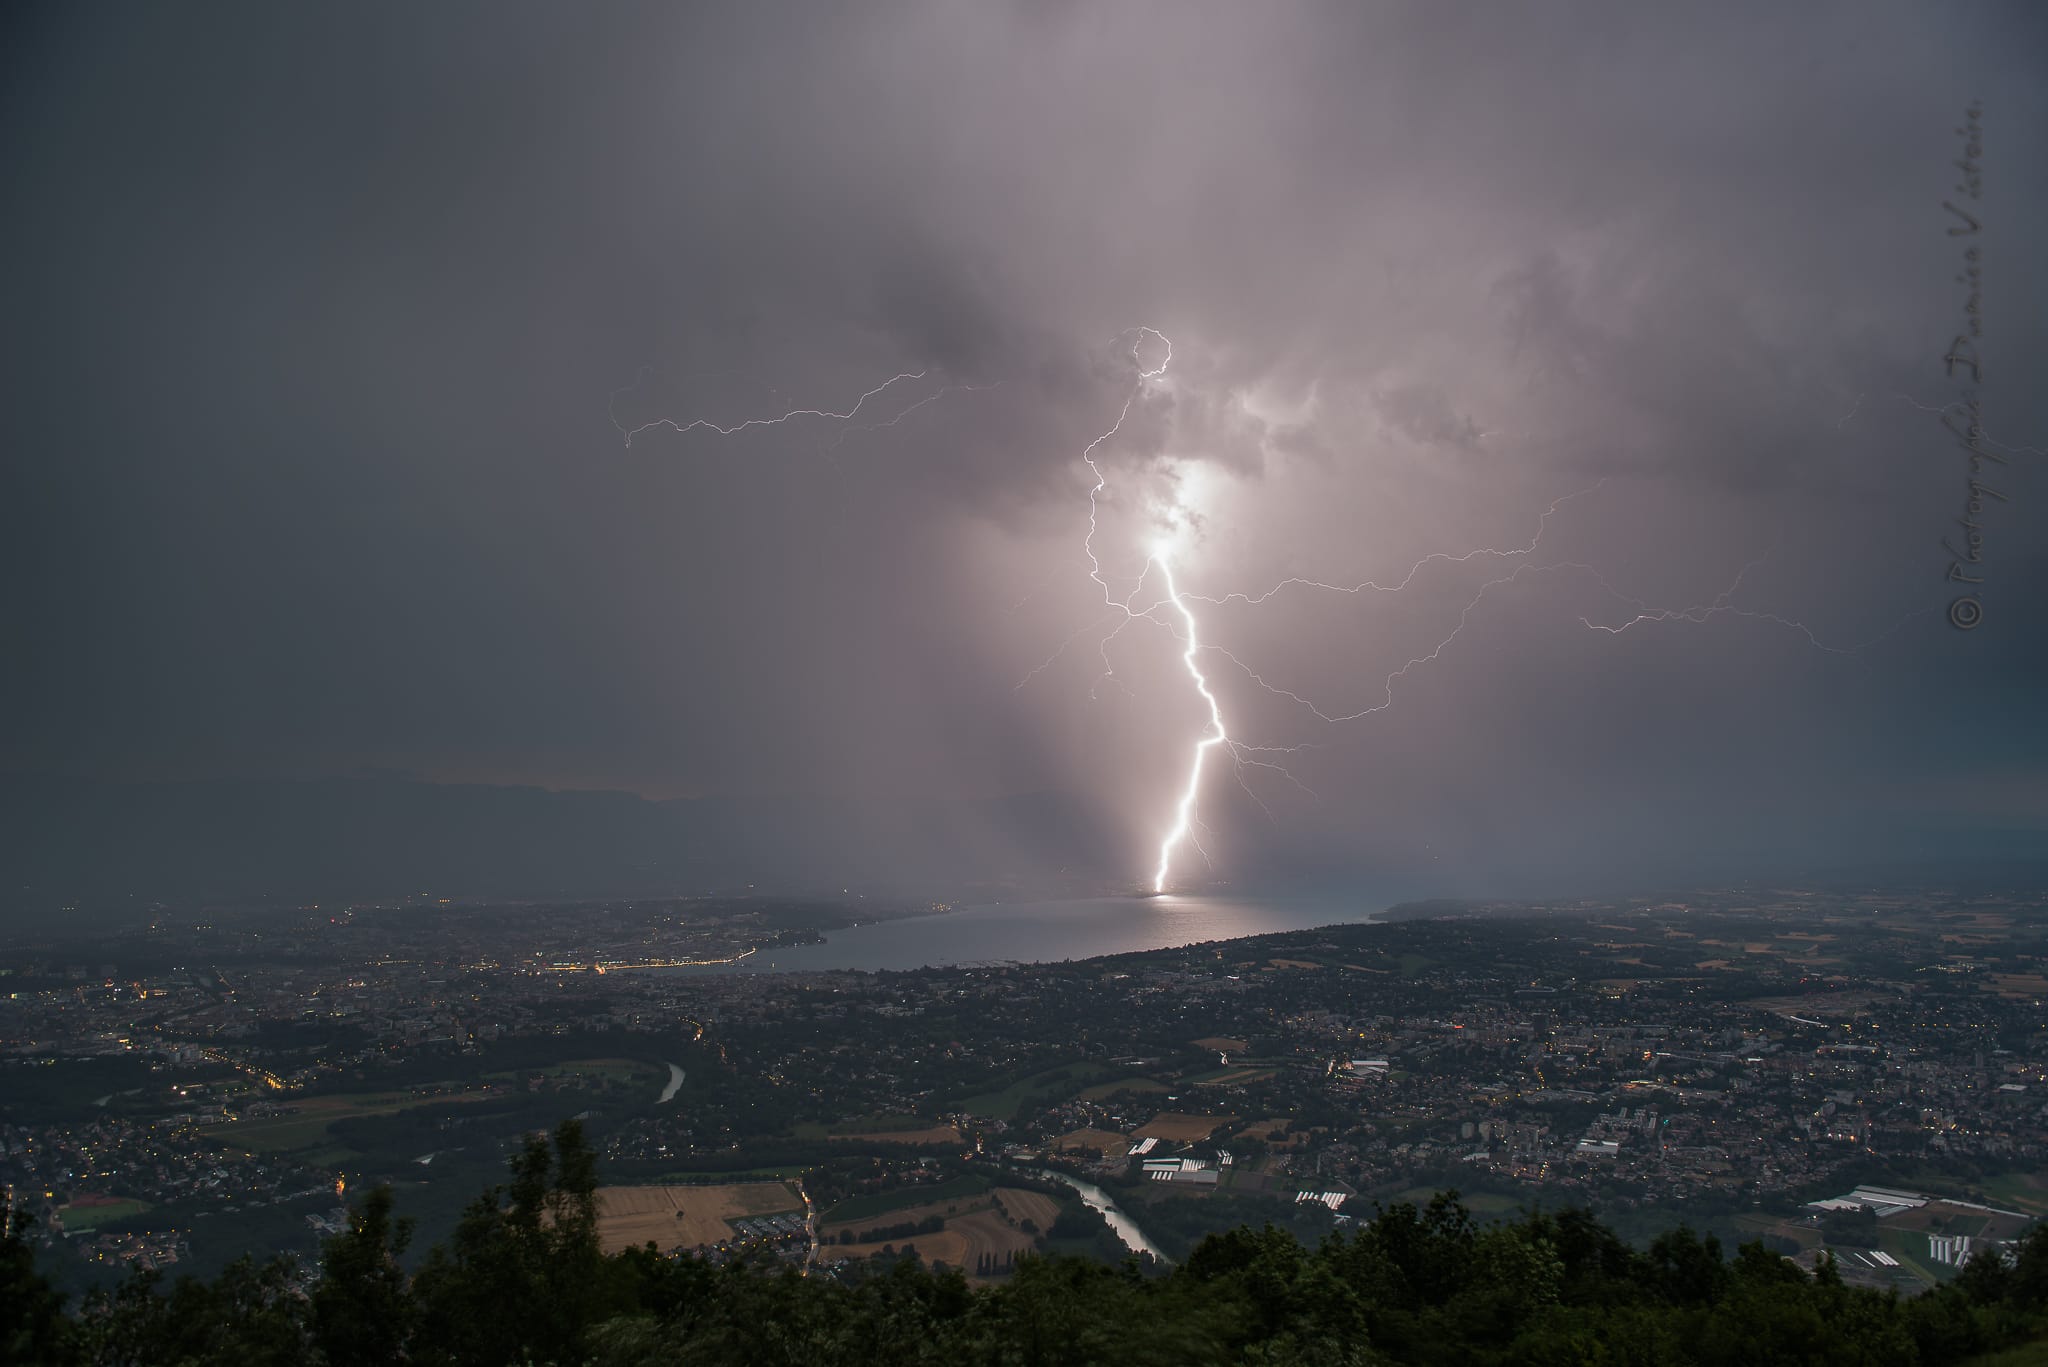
(1122, 1225)
(1049, 932)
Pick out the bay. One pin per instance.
(1050, 932)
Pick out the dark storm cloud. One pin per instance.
(317, 313)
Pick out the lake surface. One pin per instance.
(1048, 932)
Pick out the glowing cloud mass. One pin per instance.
(971, 449)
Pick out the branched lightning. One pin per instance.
(1088, 454)
(1721, 607)
(1173, 611)
(1434, 557)
(930, 398)
(706, 425)
(1169, 607)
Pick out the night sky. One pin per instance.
(325, 325)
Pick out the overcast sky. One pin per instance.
(325, 323)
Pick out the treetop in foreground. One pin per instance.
(524, 1281)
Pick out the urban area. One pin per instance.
(1860, 1075)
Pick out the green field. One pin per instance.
(1045, 1086)
(685, 1179)
(1910, 1248)
(1756, 1226)
(867, 1124)
(2017, 1191)
(75, 1218)
(1478, 1202)
(882, 1202)
(307, 1125)
(1122, 1084)
(598, 1069)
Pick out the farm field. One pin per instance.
(1221, 1044)
(947, 1246)
(1270, 1131)
(90, 1214)
(962, 1205)
(1126, 1084)
(933, 1134)
(988, 1233)
(863, 1209)
(1910, 1248)
(1035, 1206)
(1182, 1128)
(2018, 1191)
(307, 1122)
(784, 1173)
(1050, 1084)
(604, 1070)
(986, 1225)
(688, 1217)
(1107, 1141)
(1234, 1077)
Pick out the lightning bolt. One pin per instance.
(1434, 557)
(1172, 612)
(706, 425)
(1184, 812)
(1102, 480)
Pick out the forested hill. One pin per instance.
(523, 1281)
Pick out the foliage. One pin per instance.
(523, 1281)
(32, 1324)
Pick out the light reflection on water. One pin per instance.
(1047, 932)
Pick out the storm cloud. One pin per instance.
(327, 325)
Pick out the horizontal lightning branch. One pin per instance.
(1171, 608)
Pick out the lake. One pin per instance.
(1048, 932)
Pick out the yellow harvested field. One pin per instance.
(1186, 1129)
(1222, 1045)
(684, 1217)
(946, 1247)
(986, 1231)
(1035, 1206)
(1292, 963)
(976, 1227)
(936, 1134)
(2017, 984)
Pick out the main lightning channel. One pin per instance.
(1192, 647)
